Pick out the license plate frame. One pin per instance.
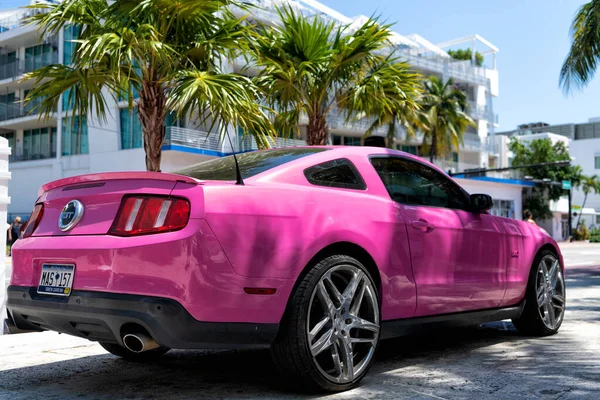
(62, 274)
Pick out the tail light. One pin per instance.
(34, 220)
(142, 215)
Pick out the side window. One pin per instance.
(339, 173)
(410, 182)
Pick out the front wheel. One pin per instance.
(328, 338)
(545, 298)
(145, 356)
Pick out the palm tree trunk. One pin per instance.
(433, 149)
(152, 114)
(581, 212)
(316, 130)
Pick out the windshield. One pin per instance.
(253, 163)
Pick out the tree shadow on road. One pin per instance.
(249, 374)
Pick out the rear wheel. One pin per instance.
(545, 299)
(329, 335)
(120, 351)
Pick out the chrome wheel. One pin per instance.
(343, 323)
(550, 292)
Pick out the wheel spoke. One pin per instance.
(350, 290)
(360, 323)
(317, 328)
(348, 359)
(558, 300)
(544, 269)
(323, 343)
(337, 297)
(551, 316)
(541, 300)
(553, 273)
(335, 356)
(363, 340)
(326, 302)
(355, 308)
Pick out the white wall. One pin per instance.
(4, 201)
(583, 153)
(498, 191)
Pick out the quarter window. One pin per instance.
(410, 182)
(339, 173)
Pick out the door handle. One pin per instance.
(422, 225)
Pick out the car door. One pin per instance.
(458, 257)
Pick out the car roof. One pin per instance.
(336, 152)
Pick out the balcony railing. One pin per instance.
(248, 143)
(17, 68)
(197, 139)
(19, 19)
(193, 138)
(42, 154)
(18, 110)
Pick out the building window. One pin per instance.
(131, 129)
(409, 149)
(40, 56)
(503, 208)
(8, 65)
(38, 144)
(597, 162)
(70, 33)
(74, 136)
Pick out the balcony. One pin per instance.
(19, 19)
(15, 69)
(18, 110)
(211, 144)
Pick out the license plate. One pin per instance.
(56, 279)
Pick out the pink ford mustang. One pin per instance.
(318, 253)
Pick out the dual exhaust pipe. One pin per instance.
(139, 342)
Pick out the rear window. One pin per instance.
(223, 169)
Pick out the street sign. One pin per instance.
(566, 185)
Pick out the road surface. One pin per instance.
(490, 362)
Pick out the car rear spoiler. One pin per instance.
(109, 176)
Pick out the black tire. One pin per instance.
(290, 350)
(530, 321)
(146, 356)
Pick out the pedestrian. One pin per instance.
(529, 217)
(13, 233)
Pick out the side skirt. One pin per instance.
(399, 327)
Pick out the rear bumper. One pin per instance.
(101, 316)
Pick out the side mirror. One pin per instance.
(481, 202)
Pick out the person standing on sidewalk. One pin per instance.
(14, 233)
(529, 217)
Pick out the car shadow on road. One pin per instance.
(229, 374)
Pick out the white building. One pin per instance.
(583, 142)
(54, 148)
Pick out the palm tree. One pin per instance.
(312, 67)
(410, 119)
(445, 117)
(170, 52)
(588, 184)
(583, 57)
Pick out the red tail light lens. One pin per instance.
(34, 220)
(142, 215)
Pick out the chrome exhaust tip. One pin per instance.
(139, 342)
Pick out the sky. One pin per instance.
(532, 36)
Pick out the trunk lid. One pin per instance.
(100, 195)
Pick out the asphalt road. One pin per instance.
(490, 362)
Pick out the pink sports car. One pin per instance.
(315, 252)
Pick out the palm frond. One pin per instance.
(581, 62)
